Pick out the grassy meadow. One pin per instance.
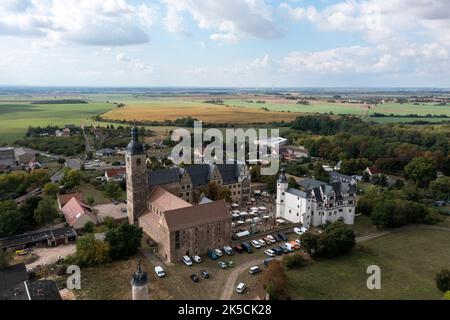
(408, 260)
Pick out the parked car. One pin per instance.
(194, 278)
(238, 248)
(295, 245)
(254, 270)
(205, 274)
(228, 250)
(269, 239)
(230, 264)
(262, 242)
(212, 255)
(197, 259)
(284, 249)
(282, 236)
(277, 251)
(277, 238)
(187, 261)
(267, 261)
(160, 272)
(289, 246)
(218, 252)
(247, 247)
(222, 265)
(240, 288)
(270, 253)
(298, 242)
(256, 244)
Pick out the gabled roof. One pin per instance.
(229, 173)
(64, 198)
(115, 172)
(297, 193)
(309, 184)
(374, 170)
(166, 201)
(75, 209)
(197, 215)
(199, 173)
(161, 177)
(336, 176)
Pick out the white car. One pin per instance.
(160, 271)
(289, 246)
(240, 288)
(270, 252)
(228, 250)
(256, 244)
(262, 242)
(298, 231)
(298, 242)
(272, 239)
(197, 259)
(187, 261)
(218, 252)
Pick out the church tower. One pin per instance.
(137, 178)
(282, 185)
(139, 284)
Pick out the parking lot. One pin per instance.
(222, 282)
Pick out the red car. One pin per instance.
(238, 248)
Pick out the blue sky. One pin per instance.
(261, 43)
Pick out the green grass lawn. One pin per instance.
(99, 196)
(408, 260)
(410, 108)
(16, 117)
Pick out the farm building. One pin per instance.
(41, 238)
(77, 213)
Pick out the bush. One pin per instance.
(124, 241)
(443, 280)
(89, 227)
(293, 261)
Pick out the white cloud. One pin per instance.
(88, 22)
(135, 65)
(230, 21)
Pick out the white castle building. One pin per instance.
(315, 202)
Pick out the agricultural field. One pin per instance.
(172, 109)
(408, 260)
(17, 116)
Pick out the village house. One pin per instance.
(77, 213)
(115, 174)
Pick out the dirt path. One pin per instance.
(50, 255)
(229, 286)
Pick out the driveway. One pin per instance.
(48, 256)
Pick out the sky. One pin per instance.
(225, 43)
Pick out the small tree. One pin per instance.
(110, 223)
(310, 242)
(124, 241)
(45, 212)
(293, 261)
(443, 280)
(89, 227)
(90, 201)
(274, 280)
(91, 251)
(51, 189)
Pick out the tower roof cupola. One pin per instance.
(282, 177)
(135, 147)
(139, 277)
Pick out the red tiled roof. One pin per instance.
(114, 172)
(197, 215)
(374, 170)
(165, 201)
(75, 209)
(64, 198)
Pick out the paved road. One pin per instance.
(230, 285)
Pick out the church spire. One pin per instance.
(135, 147)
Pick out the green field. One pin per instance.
(408, 260)
(16, 117)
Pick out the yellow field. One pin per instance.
(160, 110)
